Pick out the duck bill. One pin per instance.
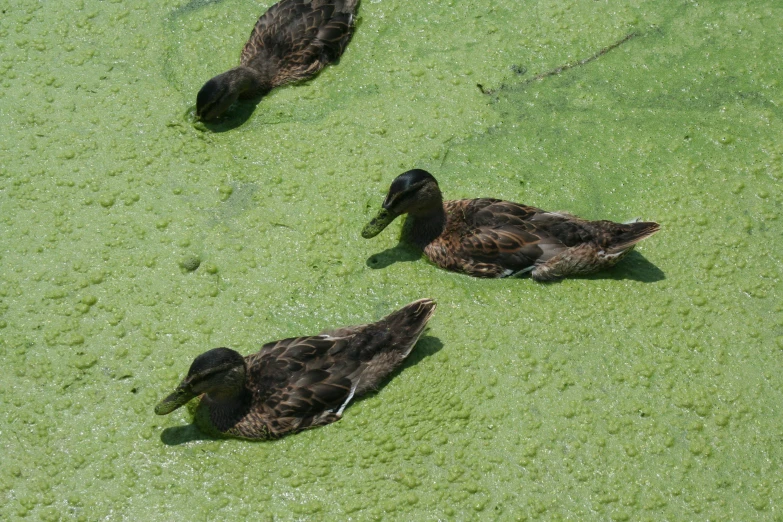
(180, 397)
(378, 223)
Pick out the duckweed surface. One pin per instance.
(132, 241)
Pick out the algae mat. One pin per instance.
(652, 391)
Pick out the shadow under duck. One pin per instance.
(292, 41)
(296, 383)
(494, 238)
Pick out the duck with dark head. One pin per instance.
(296, 383)
(494, 238)
(292, 41)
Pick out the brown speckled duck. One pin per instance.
(494, 238)
(298, 383)
(292, 41)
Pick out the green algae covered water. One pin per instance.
(132, 241)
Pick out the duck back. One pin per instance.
(299, 37)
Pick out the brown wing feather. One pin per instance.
(303, 36)
(302, 382)
(299, 377)
(489, 238)
(273, 28)
(494, 238)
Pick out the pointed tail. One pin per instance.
(632, 233)
(408, 323)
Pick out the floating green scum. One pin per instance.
(132, 242)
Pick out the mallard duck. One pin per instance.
(292, 41)
(297, 383)
(494, 238)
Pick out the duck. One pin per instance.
(292, 41)
(492, 238)
(298, 383)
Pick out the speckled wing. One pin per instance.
(301, 377)
(503, 238)
(304, 35)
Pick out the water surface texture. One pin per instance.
(131, 241)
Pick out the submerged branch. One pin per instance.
(584, 61)
(564, 67)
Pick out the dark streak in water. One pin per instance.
(584, 61)
(562, 68)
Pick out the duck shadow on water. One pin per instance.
(176, 435)
(236, 116)
(425, 347)
(634, 267)
(398, 254)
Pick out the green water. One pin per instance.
(652, 391)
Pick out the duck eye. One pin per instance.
(395, 198)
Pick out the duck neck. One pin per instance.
(425, 225)
(250, 81)
(227, 407)
(264, 67)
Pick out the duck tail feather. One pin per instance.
(631, 234)
(409, 322)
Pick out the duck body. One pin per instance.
(292, 41)
(298, 383)
(494, 238)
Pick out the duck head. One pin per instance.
(219, 93)
(415, 192)
(219, 373)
